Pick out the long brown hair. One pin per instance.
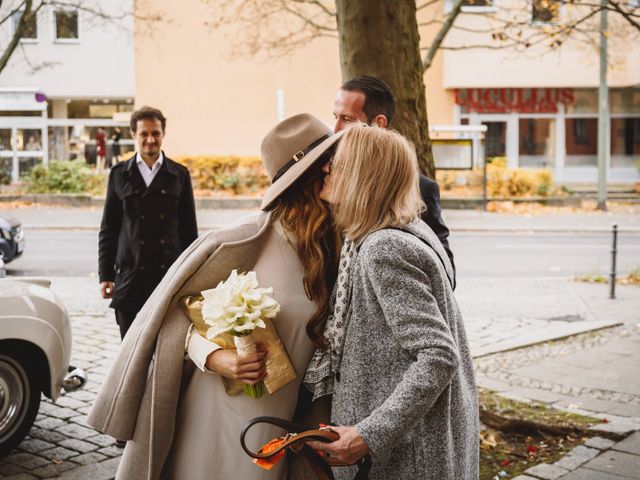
(315, 239)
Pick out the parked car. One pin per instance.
(35, 347)
(11, 239)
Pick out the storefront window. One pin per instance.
(581, 140)
(5, 139)
(97, 109)
(495, 141)
(29, 140)
(537, 142)
(6, 165)
(625, 142)
(26, 164)
(625, 100)
(585, 101)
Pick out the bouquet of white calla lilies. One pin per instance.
(238, 306)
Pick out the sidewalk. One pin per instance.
(628, 219)
(497, 317)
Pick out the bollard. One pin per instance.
(3, 271)
(614, 252)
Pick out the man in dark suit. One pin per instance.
(370, 100)
(149, 219)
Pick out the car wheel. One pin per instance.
(19, 401)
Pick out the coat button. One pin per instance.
(161, 241)
(162, 216)
(163, 191)
(142, 242)
(141, 217)
(142, 268)
(163, 266)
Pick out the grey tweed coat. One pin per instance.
(406, 377)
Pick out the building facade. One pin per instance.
(72, 73)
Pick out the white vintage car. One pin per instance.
(35, 346)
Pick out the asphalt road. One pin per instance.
(74, 253)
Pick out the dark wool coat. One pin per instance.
(432, 216)
(406, 378)
(144, 229)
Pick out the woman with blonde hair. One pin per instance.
(396, 359)
(173, 409)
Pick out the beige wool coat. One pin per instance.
(139, 397)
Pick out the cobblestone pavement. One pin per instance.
(597, 459)
(61, 445)
(595, 372)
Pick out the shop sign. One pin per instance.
(519, 100)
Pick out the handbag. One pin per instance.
(295, 441)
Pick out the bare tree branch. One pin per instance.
(440, 36)
(17, 34)
(628, 16)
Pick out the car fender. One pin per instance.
(45, 337)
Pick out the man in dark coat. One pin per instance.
(370, 100)
(149, 219)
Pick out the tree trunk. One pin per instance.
(380, 38)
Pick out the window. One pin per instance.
(30, 31)
(581, 140)
(537, 140)
(478, 6)
(545, 11)
(66, 25)
(625, 142)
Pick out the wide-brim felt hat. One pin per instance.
(290, 149)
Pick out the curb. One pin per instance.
(470, 203)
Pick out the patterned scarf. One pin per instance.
(325, 363)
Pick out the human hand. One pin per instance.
(249, 369)
(106, 289)
(347, 450)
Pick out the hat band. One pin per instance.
(299, 155)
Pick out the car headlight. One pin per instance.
(18, 234)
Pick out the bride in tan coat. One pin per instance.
(178, 420)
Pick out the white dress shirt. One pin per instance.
(148, 174)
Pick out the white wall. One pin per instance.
(99, 64)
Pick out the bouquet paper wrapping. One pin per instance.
(280, 370)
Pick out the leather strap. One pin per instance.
(297, 157)
(296, 441)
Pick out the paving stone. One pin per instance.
(34, 445)
(49, 423)
(87, 458)
(621, 427)
(58, 453)
(618, 463)
(57, 412)
(577, 457)
(53, 470)
(68, 401)
(26, 460)
(102, 440)
(47, 435)
(97, 471)
(20, 476)
(586, 474)
(111, 451)
(630, 444)
(9, 469)
(546, 471)
(524, 477)
(78, 445)
(76, 431)
(626, 410)
(599, 443)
